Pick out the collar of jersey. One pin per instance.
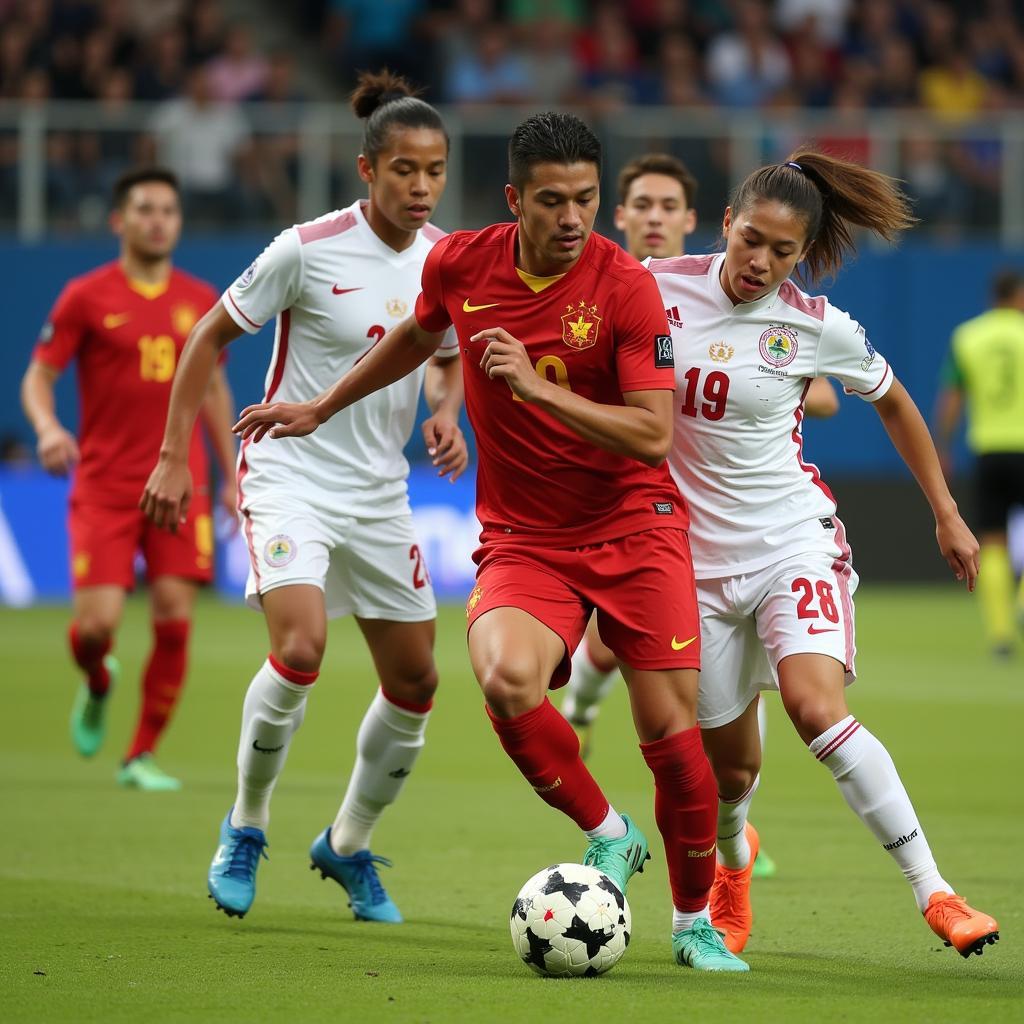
(725, 304)
(374, 242)
(513, 237)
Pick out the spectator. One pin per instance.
(492, 73)
(895, 82)
(239, 73)
(825, 19)
(679, 72)
(746, 66)
(614, 75)
(375, 33)
(940, 199)
(97, 59)
(952, 90)
(552, 67)
(163, 72)
(206, 31)
(655, 20)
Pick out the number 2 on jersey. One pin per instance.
(826, 600)
(420, 573)
(715, 393)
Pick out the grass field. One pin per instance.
(104, 916)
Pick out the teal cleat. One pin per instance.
(89, 713)
(232, 876)
(701, 947)
(357, 875)
(143, 773)
(621, 858)
(764, 866)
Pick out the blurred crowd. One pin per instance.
(200, 63)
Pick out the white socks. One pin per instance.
(613, 827)
(389, 741)
(733, 848)
(684, 921)
(588, 686)
(273, 710)
(871, 786)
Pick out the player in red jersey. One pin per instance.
(571, 400)
(126, 323)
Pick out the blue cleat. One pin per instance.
(357, 875)
(232, 876)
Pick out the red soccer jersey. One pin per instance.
(127, 339)
(599, 331)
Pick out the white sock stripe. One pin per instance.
(834, 744)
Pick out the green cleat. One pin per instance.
(621, 858)
(142, 772)
(764, 866)
(89, 713)
(701, 947)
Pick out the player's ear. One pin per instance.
(512, 198)
(619, 218)
(116, 221)
(690, 223)
(727, 222)
(365, 169)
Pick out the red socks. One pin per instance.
(545, 749)
(686, 809)
(161, 684)
(89, 655)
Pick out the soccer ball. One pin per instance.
(570, 920)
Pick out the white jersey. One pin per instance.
(335, 289)
(742, 371)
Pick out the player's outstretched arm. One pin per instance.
(56, 447)
(443, 390)
(403, 349)
(821, 401)
(948, 410)
(168, 491)
(906, 428)
(641, 429)
(218, 417)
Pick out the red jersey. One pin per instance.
(127, 338)
(599, 331)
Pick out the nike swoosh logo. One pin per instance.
(467, 308)
(113, 320)
(814, 630)
(220, 857)
(677, 646)
(344, 291)
(265, 750)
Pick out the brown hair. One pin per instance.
(386, 100)
(658, 163)
(141, 176)
(1005, 285)
(832, 196)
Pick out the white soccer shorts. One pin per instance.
(800, 605)
(372, 568)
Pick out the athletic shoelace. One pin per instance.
(365, 862)
(707, 938)
(246, 855)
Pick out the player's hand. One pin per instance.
(959, 547)
(505, 358)
(278, 419)
(228, 498)
(168, 494)
(446, 446)
(57, 450)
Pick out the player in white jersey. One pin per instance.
(327, 517)
(655, 214)
(774, 577)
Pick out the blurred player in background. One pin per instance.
(571, 402)
(985, 372)
(327, 519)
(774, 577)
(656, 212)
(126, 323)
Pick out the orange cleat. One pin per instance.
(730, 898)
(958, 925)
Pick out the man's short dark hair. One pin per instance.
(658, 163)
(550, 138)
(142, 176)
(1005, 285)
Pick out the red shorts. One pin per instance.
(104, 542)
(641, 585)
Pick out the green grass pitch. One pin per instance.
(103, 908)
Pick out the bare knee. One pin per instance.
(734, 779)
(300, 650)
(95, 629)
(416, 684)
(510, 688)
(814, 716)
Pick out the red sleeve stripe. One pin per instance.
(864, 394)
(248, 320)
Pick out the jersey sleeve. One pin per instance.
(271, 284)
(643, 346)
(65, 328)
(952, 373)
(845, 353)
(431, 311)
(449, 347)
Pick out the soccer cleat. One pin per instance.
(357, 875)
(958, 925)
(89, 713)
(764, 866)
(621, 858)
(584, 733)
(701, 948)
(232, 875)
(730, 898)
(142, 772)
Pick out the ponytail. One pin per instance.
(386, 100)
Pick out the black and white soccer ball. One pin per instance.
(570, 920)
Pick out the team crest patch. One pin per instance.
(778, 346)
(474, 599)
(720, 352)
(396, 308)
(184, 319)
(80, 565)
(246, 279)
(280, 550)
(580, 324)
(865, 363)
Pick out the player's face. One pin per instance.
(149, 222)
(763, 244)
(408, 176)
(655, 218)
(556, 210)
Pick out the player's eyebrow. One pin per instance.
(556, 193)
(760, 234)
